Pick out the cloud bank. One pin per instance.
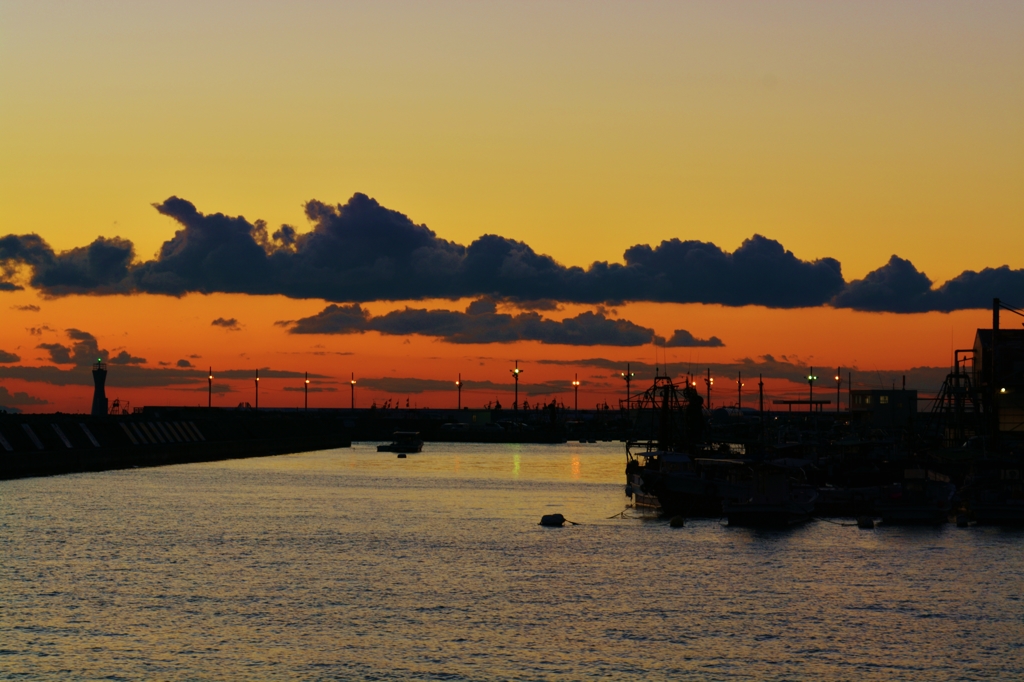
(482, 323)
(85, 351)
(361, 251)
(8, 400)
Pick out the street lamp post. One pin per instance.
(739, 390)
(709, 382)
(576, 393)
(209, 395)
(257, 389)
(353, 384)
(628, 376)
(305, 390)
(810, 382)
(515, 375)
(458, 385)
(839, 382)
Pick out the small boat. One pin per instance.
(995, 494)
(923, 496)
(404, 443)
(772, 497)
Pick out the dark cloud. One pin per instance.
(897, 286)
(59, 353)
(900, 287)
(230, 323)
(540, 304)
(312, 389)
(8, 399)
(411, 385)
(85, 351)
(26, 308)
(926, 379)
(184, 363)
(102, 267)
(6, 357)
(217, 389)
(479, 324)
(759, 272)
(360, 251)
(133, 375)
(972, 289)
(124, 358)
(265, 373)
(10, 286)
(684, 339)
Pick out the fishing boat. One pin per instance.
(662, 473)
(404, 442)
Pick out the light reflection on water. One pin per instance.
(351, 564)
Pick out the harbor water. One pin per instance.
(353, 564)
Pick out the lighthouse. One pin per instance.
(99, 396)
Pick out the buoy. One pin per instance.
(552, 520)
(867, 522)
(401, 455)
(677, 522)
(962, 520)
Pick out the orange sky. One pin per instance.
(853, 130)
(169, 329)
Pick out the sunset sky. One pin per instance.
(391, 137)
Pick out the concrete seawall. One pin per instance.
(51, 444)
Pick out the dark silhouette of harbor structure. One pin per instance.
(99, 397)
(50, 444)
(979, 411)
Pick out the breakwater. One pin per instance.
(51, 444)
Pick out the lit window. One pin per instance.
(883, 399)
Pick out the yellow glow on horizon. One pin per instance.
(846, 130)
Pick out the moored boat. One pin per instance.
(922, 497)
(766, 495)
(405, 442)
(994, 495)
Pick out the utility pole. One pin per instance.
(353, 384)
(458, 385)
(257, 389)
(849, 392)
(209, 395)
(739, 390)
(306, 392)
(576, 392)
